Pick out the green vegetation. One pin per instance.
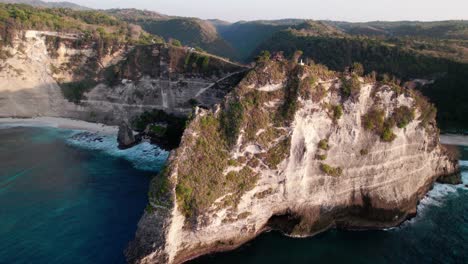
(318, 93)
(337, 112)
(195, 61)
(263, 57)
(364, 152)
(74, 91)
(321, 156)
(176, 43)
(402, 116)
(428, 110)
(263, 194)
(331, 171)
(165, 129)
(387, 134)
(201, 175)
(95, 26)
(449, 94)
(192, 32)
(446, 61)
(278, 153)
(92, 29)
(158, 130)
(357, 69)
(323, 144)
(350, 87)
(232, 119)
(374, 120)
(159, 192)
(291, 94)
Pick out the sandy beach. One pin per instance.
(61, 123)
(454, 139)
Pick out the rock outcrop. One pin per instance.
(125, 137)
(295, 148)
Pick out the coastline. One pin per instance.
(64, 123)
(454, 139)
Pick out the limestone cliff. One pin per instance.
(296, 148)
(66, 75)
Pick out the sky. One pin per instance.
(342, 10)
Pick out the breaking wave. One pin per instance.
(143, 156)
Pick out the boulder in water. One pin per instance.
(125, 137)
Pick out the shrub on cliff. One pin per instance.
(337, 112)
(231, 120)
(357, 69)
(278, 153)
(350, 87)
(331, 171)
(427, 110)
(374, 120)
(387, 135)
(402, 116)
(323, 144)
(74, 91)
(176, 42)
(263, 57)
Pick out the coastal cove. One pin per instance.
(69, 195)
(152, 136)
(88, 210)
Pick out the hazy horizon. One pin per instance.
(338, 10)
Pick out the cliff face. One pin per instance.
(47, 73)
(295, 148)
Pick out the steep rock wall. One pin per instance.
(52, 74)
(293, 163)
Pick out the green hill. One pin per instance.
(192, 32)
(39, 3)
(404, 58)
(451, 29)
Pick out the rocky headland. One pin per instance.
(297, 148)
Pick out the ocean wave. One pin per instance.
(143, 156)
(438, 196)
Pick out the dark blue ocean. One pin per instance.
(73, 197)
(68, 197)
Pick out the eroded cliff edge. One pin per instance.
(296, 148)
(59, 74)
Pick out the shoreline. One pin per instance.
(68, 123)
(59, 122)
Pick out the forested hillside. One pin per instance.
(192, 32)
(393, 57)
(39, 3)
(93, 25)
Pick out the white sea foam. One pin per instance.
(144, 156)
(96, 137)
(438, 196)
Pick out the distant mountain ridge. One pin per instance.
(192, 32)
(39, 3)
